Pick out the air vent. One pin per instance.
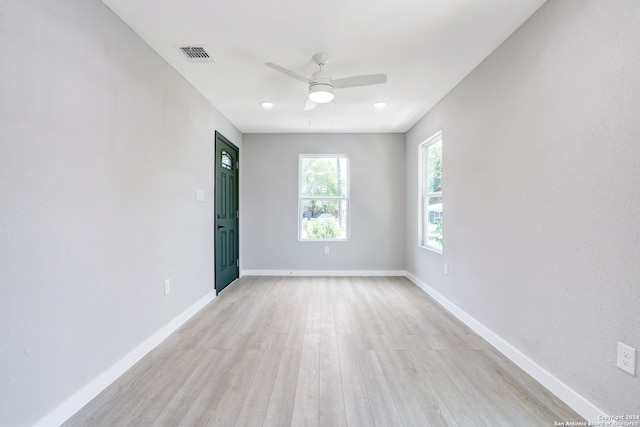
(195, 53)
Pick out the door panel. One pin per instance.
(226, 212)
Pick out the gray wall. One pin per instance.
(541, 176)
(270, 186)
(102, 147)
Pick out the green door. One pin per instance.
(226, 212)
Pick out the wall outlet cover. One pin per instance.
(626, 358)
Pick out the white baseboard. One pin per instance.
(578, 403)
(83, 396)
(345, 273)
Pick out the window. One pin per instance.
(227, 161)
(430, 227)
(323, 197)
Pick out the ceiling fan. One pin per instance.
(321, 85)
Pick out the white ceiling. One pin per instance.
(425, 47)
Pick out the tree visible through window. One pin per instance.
(323, 198)
(431, 193)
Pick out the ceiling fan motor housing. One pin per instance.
(321, 89)
(321, 92)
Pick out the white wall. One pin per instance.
(270, 188)
(541, 176)
(102, 146)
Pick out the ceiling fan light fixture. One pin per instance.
(321, 93)
(322, 86)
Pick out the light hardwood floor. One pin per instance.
(326, 351)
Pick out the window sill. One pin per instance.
(431, 249)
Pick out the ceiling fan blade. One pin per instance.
(288, 72)
(310, 105)
(369, 79)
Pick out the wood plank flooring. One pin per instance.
(324, 351)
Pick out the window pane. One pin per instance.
(324, 219)
(324, 177)
(227, 160)
(433, 222)
(434, 209)
(434, 167)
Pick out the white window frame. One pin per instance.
(423, 194)
(302, 199)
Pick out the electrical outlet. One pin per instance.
(326, 250)
(627, 358)
(446, 268)
(167, 287)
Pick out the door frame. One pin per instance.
(220, 139)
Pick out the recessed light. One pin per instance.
(380, 104)
(267, 105)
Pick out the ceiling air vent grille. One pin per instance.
(195, 53)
